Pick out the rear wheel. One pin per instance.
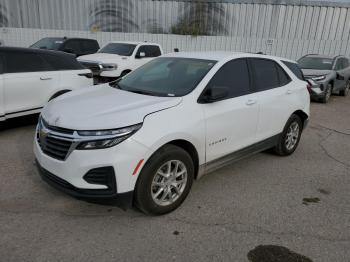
(165, 181)
(290, 137)
(327, 94)
(346, 90)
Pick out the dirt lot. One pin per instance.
(301, 203)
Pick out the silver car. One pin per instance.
(327, 75)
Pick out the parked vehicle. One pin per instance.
(328, 74)
(148, 135)
(29, 78)
(77, 46)
(117, 59)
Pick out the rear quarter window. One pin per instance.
(62, 62)
(294, 67)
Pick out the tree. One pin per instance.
(3, 16)
(202, 18)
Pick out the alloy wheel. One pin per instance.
(292, 136)
(169, 182)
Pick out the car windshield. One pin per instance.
(166, 76)
(317, 63)
(118, 49)
(51, 43)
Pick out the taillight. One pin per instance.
(308, 86)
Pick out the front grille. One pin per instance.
(56, 145)
(93, 66)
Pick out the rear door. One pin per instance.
(72, 74)
(275, 91)
(27, 81)
(231, 123)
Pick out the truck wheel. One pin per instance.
(290, 137)
(165, 181)
(327, 94)
(345, 92)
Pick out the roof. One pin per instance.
(321, 56)
(133, 42)
(32, 50)
(221, 55)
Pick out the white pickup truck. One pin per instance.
(116, 59)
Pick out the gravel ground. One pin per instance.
(296, 207)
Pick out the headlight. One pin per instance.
(109, 67)
(318, 78)
(105, 138)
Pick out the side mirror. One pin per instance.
(340, 77)
(213, 94)
(141, 55)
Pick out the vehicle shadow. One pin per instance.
(19, 122)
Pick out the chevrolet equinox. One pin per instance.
(147, 136)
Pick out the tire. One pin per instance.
(346, 90)
(327, 94)
(153, 185)
(283, 148)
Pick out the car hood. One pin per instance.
(102, 58)
(314, 72)
(103, 107)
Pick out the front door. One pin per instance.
(231, 123)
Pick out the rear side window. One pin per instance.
(282, 75)
(295, 69)
(266, 74)
(2, 63)
(59, 62)
(89, 46)
(235, 76)
(73, 45)
(20, 62)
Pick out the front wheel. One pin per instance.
(327, 94)
(165, 181)
(346, 90)
(290, 137)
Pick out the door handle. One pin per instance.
(289, 92)
(45, 78)
(250, 102)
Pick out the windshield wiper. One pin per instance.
(141, 92)
(115, 84)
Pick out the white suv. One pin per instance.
(147, 136)
(117, 59)
(29, 78)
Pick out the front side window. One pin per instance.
(118, 49)
(50, 43)
(265, 73)
(234, 75)
(72, 45)
(166, 76)
(149, 50)
(317, 63)
(18, 62)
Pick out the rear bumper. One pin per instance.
(88, 194)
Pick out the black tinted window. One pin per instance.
(282, 75)
(345, 62)
(72, 45)
(2, 63)
(339, 64)
(18, 62)
(235, 76)
(266, 75)
(295, 69)
(149, 50)
(89, 46)
(59, 62)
